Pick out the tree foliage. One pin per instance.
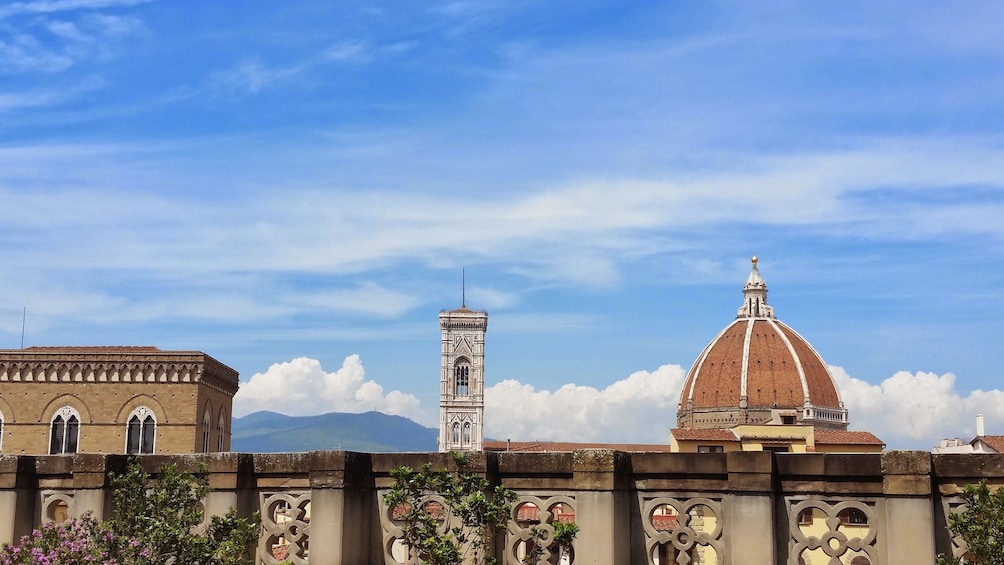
(464, 528)
(980, 525)
(151, 525)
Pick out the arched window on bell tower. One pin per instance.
(462, 378)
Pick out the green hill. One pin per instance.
(269, 432)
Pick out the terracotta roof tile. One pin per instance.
(822, 390)
(720, 374)
(837, 437)
(90, 348)
(995, 442)
(710, 434)
(564, 446)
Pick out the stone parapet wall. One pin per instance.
(739, 508)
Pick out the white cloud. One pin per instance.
(367, 298)
(251, 76)
(483, 297)
(67, 30)
(302, 387)
(581, 233)
(349, 52)
(638, 409)
(906, 410)
(53, 6)
(915, 410)
(24, 53)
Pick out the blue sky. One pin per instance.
(294, 188)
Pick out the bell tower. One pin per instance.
(462, 379)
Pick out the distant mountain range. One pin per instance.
(374, 432)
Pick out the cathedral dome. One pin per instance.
(759, 371)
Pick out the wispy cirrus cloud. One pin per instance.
(349, 52)
(54, 42)
(252, 76)
(13, 101)
(582, 232)
(54, 6)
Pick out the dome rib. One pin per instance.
(759, 370)
(794, 357)
(688, 387)
(744, 386)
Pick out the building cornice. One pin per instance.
(116, 365)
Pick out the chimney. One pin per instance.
(980, 431)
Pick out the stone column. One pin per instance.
(909, 507)
(602, 507)
(90, 485)
(17, 501)
(341, 485)
(749, 509)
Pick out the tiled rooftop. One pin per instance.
(836, 437)
(696, 434)
(995, 442)
(564, 446)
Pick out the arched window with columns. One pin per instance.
(64, 431)
(207, 424)
(462, 378)
(141, 431)
(221, 430)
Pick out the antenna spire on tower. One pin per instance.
(463, 287)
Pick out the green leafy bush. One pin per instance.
(480, 513)
(150, 525)
(980, 525)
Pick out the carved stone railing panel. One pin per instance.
(825, 532)
(682, 531)
(949, 506)
(285, 527)
(395, 552)
(539, 513)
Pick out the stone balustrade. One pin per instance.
(743, 508)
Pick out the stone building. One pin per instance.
(462, 379)
(760, 386)
(59, 400)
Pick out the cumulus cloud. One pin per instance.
(638, 409)
(303, 387)
(906, 410)
(915, 410)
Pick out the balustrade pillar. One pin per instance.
(749, 509)
(909, 508)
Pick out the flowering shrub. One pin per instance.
(149, 526)
(82, 541)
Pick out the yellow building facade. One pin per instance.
(62, 400)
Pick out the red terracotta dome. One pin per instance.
(759, 370)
